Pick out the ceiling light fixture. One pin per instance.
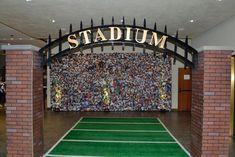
(53, 21)
(191, 20)
(28, 0)
(219, 0)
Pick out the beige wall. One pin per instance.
(221, 35)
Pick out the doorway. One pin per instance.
(2, 105)
(184, 89)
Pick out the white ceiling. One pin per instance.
(29, 21)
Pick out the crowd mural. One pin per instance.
(111, 82)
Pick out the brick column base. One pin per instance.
(211, 81)
(24, 103)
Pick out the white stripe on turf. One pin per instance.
(62, 138)
(87, 117)
(175, 138)
(119, 130)
(107, 141)
(71, 156)
(118, 123)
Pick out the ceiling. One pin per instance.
(27, 21)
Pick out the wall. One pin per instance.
(113, 81)
(221, 35)
(175, 76)
(174, 69)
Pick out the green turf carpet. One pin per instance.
(134, 120)
(117, 137)
(99, 126)
(119, 149)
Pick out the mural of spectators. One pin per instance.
(111, 82)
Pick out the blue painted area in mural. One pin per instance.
(113, 82)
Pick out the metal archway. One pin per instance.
(166, 51)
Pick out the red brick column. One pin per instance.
(211, 80)
(24, 102)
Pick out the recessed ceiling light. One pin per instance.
(8, 44)
(28, 0)
(219, 0)
(191, 20)
(53, 21)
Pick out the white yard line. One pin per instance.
(122, 117)
(62, 138)
(174, 138)
(71, 156)
(110, 141)
(117, 123)
(103, 141)
(119, 130)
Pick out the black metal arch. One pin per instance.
(174, 53)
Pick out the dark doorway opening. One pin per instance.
(2, 105)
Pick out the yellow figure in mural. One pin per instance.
(58, 95)
(163, 95)
(106, 96)
(162, 92)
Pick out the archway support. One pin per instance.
(24, 101)
(211, 79)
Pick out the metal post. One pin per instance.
(48, 84)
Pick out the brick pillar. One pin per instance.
(24, 101)
(211, 81)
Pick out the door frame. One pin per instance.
(179, 106)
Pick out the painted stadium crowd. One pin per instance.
(111, 82)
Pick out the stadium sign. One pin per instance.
(124, 35)
(115, 34)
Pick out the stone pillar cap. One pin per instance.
(19, 47)
(216, 48)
